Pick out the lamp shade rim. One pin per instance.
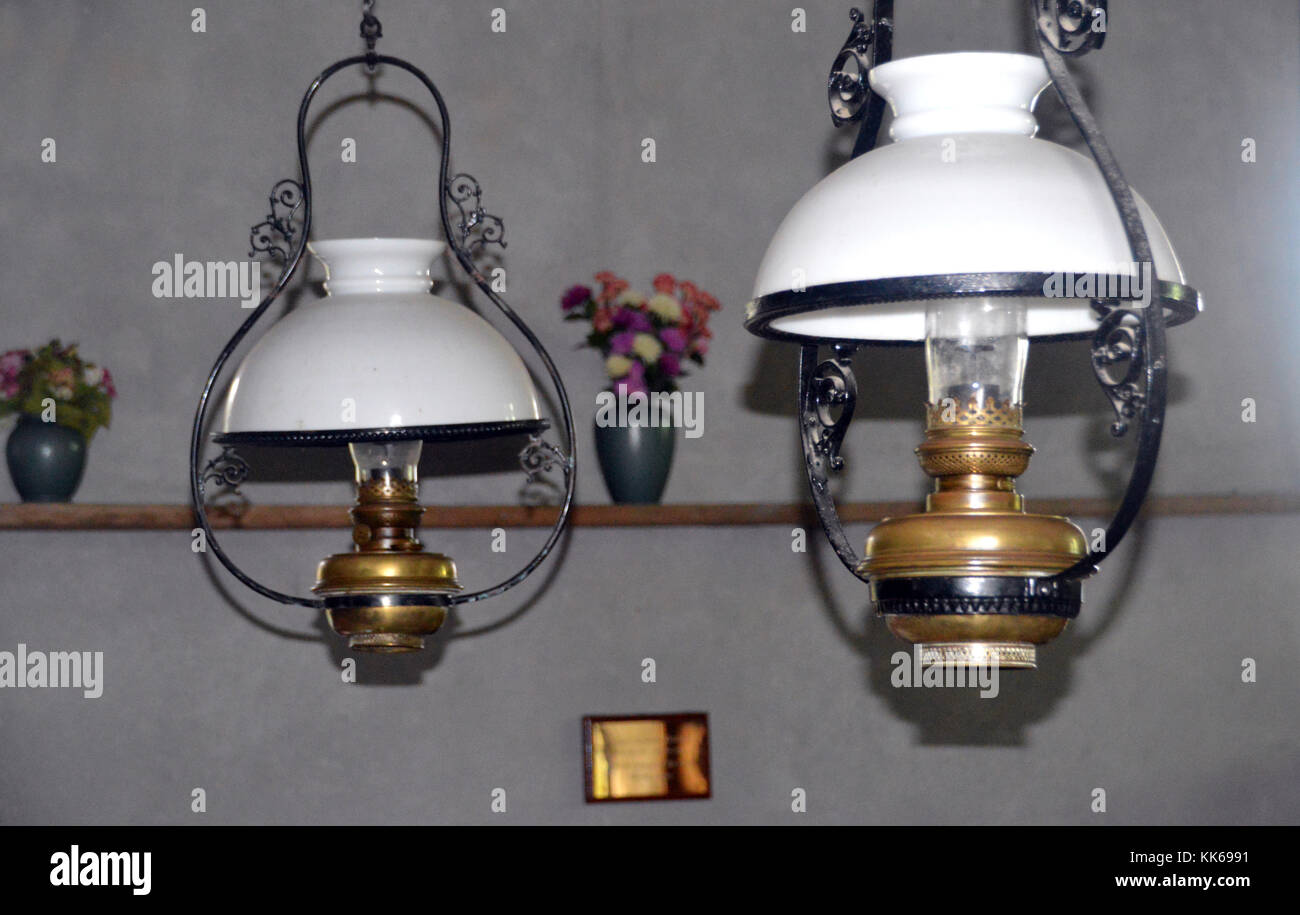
(952, 60)
(450, 432)
(324, 248)
(1181, 302)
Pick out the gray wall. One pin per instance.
(168, 142)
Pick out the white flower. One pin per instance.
(647, 347)
(94, 375)
(666, 307)
(618, 366)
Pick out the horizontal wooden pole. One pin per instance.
(77, 516)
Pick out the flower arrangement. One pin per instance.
(81, 391)
(644, 340)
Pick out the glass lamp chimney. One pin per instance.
(975, 350)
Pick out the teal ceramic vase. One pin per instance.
(46, 460)
(635, 461)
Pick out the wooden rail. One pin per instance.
(77, 516)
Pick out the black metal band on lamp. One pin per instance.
(279, 237)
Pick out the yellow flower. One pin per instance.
(666, 307)
(629, 297)
(617, 366)
(647, 347)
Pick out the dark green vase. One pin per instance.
(635, 461)
(45, 460)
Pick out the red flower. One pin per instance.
(603, 320)
(611, 285)
(665, 283)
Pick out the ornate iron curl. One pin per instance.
(540, 457)
(477, 227)
(227, 469)
(832, 387)
(276, 234)
(847, 89)
(1120, 344)
(1073, 26)
(824, 387)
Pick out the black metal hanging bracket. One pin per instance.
(1129, 355)
(371, 31)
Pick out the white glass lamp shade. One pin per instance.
(378, 353)
(964, 189)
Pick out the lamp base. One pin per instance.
(972, 579)
(1002, 655)
(386, 643)
(388, 593)
(372, 626)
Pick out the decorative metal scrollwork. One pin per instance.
(540, 457)
(227, 470)
(477, 227)
(869, 44)
(276, 234)
(847, 87)
(1073, 26)
(1118, 361)
(832, 387)
(826, 387)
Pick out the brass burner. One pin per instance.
(384, 594)
(974, 525)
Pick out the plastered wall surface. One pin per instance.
(168, 142)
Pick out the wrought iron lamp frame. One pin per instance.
(280, 236)
(1129, 355)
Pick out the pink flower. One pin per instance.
(575, 296)
(665, 283)
(11, 363)
(633, 382)
(603, 320)
(700, 347)
(632, 319)
(107, 384)
(621, 344)
(673, 338)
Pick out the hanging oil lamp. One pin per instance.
(382, 367)
(969, 236)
